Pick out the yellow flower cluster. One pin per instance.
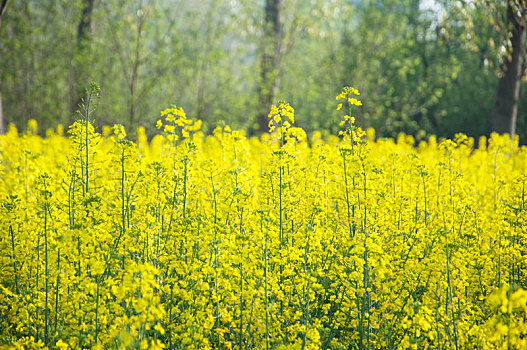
(352, 132)
(282, 115)
(347, 91)
(227, 242)
(175, 117)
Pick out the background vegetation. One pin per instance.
(423, 67)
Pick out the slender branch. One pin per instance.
(3, 7)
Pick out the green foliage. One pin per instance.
(423, 67)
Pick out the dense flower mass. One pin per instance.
(196, 242)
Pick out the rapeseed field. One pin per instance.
(194, 241)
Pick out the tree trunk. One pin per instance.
(135, 69)
(83, 32)
(271, 60)
(506, 106)
(3, 7)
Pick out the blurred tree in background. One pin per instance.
(513, 67)
(3, 8)
(423, 66)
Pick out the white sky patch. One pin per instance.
(432, 10)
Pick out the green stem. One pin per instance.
(57, 291)
(15, 268)
(185, 175)
(87, 115)
(267, 343)
(97, 311)
(46, 310)
(450, 297)
(350, 226)
(216, 262)
(123, 211)
(241, 306)
(37, 302)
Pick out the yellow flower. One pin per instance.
(62, 345)
(272, 112)
(32, 126)
(237, 134)
(354, 101)
(169, 128)
(160, 329)
(346, 92)
(119, 131)
(196, 126)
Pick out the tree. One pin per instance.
(393, 52)
(83, 36)
(3, 7)
(270, 61)
(505, 111)
(127, 27)
(36, 52)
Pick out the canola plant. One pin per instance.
(284, 242)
